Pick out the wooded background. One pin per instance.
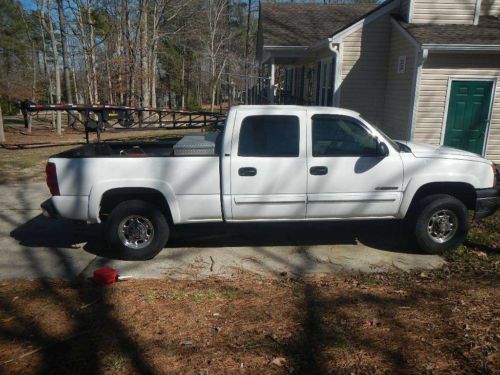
(187, 54)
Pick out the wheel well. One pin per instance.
(111, 198)
(460, 190)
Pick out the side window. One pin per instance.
(340, 136)
(271, 136)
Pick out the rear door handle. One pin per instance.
(247, 171)
(318, 171)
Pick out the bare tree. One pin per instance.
(50, 30)
(2, 133)
(215, 39)
(64, 50)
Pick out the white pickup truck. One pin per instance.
(271, 163)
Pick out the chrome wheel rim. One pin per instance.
(136, 231)
(442, 226)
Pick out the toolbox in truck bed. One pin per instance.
(197, 145)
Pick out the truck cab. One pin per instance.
(300, 163)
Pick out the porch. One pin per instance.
(306, 78)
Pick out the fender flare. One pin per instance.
(98, 190)
(416, 183)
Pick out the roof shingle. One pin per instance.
(487, 32)
(306, 24)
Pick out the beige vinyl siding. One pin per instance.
(433, 91)
(364, 68)
(490, 7)
(444, 11)
(399, 87)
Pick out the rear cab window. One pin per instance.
(269, 136)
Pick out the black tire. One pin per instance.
(455, 223)
(152, 225)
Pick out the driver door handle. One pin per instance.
(318, 171)
(247, 171)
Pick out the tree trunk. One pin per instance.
(144, 54)
(247, 45)
(110, 84)
(55, 55)
(2, 133)
(93, 59)
(44, 53)
(64, 50)
(183, 80)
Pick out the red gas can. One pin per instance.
(105, 276)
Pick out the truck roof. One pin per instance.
(332, 110)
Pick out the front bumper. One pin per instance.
(487, 202)
(48, 209)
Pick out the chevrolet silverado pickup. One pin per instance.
(271, 163)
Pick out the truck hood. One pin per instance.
(422, 150)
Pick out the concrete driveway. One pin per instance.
(34, 246)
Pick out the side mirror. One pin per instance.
(382, 149)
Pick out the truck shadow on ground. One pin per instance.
(382, 235)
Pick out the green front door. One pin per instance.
(468, 112)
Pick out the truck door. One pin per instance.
(348, 176)
(268, 165)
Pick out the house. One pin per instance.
(421, 70)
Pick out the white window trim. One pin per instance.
(490, 113)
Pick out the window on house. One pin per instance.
(269, 136)
(341, 136)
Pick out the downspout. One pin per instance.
(419, 63)
(334, 48)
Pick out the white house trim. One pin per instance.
(462, 47)
(490, 113)
(421, 57)
(477, 12)
(410, 11)
(384, 9)
(405, 33)
(338, 75)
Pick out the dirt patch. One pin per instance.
(398, 323)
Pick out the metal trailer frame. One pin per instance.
(99, 117)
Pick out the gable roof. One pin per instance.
(305, 24)
(486, 33)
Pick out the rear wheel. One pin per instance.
(136, 230)
(441, 223)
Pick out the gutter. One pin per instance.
(462, 47)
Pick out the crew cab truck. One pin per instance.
(271, 163)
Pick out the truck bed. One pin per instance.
(121, 149)
(125, 149)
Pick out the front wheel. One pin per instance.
(441, 223)
(136, 230)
